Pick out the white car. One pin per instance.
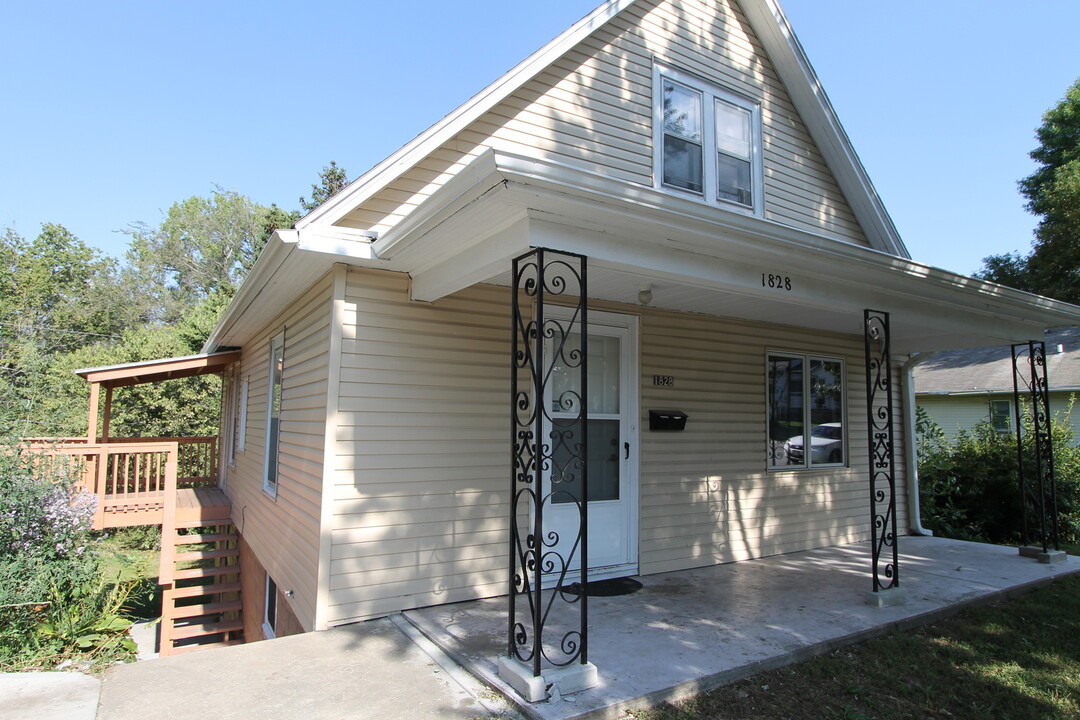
(826, 445)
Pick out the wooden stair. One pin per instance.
(201, 605)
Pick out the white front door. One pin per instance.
(612, 447)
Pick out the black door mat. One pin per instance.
(607, 588)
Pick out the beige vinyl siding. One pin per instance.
(283, 532)
(706, 495)
(593, 108)
(420, 499)
(421, 485)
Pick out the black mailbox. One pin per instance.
(667, 420)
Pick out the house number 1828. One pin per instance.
(776, 282)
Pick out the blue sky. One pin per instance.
(113, 111)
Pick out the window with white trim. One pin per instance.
(269, 625)
(805, 411)
(1000, 415)
(273, 413)
(240, 433)
(708, 141)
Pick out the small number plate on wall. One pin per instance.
(663, 380)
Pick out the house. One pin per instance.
(961, 388)
(409, 418)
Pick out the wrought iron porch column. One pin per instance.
(879, 426)
(1030, 379)
(548, 571)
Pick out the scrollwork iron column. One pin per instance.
(1034, 383)
(879, 412)
(549, 388)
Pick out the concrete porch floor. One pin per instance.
(693, 630)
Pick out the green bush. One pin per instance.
(970, 485)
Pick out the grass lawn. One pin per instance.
(1016, 660)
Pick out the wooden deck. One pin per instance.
(202, 503)
(133, 478)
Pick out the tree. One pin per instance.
(204, 247)
(1052, 267)
(56, 295)
(331, 180)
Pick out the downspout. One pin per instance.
(911, 455)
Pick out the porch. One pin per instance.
(689, 631)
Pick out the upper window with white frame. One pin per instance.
(709, 141)
(805, 411)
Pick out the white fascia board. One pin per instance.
(278, 248)
(401, 161)
(815, 109)
(289, 263)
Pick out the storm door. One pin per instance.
(612, 448)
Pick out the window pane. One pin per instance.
(682, 111)
(603, 461)
(826, 412)
(1000, 412)
(682, 164)
(785, 410)
(732, 129)
(273, 419)
(733, 180)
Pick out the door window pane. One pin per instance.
(603, 376)
(604, 461)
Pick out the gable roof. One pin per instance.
(773, 30)
(982, 370)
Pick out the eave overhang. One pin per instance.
(137, 373)
(697, 257)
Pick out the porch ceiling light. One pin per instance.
(644, 295)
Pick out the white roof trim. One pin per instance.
(806, 92)
(434, 137)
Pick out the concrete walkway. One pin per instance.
(371, 670)
(685, 632)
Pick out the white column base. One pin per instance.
(886, 598)
(567, 680)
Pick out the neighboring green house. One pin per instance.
(960, 388)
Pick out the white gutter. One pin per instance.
(911, 454)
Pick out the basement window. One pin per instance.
(269, 625)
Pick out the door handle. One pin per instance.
(626, 447)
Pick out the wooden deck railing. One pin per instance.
(133, 482)
(197, 463)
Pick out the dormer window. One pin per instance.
(709, 140)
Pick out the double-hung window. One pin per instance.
(708, 140)
(273, 413)
(1000, 414)
(805, 411)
